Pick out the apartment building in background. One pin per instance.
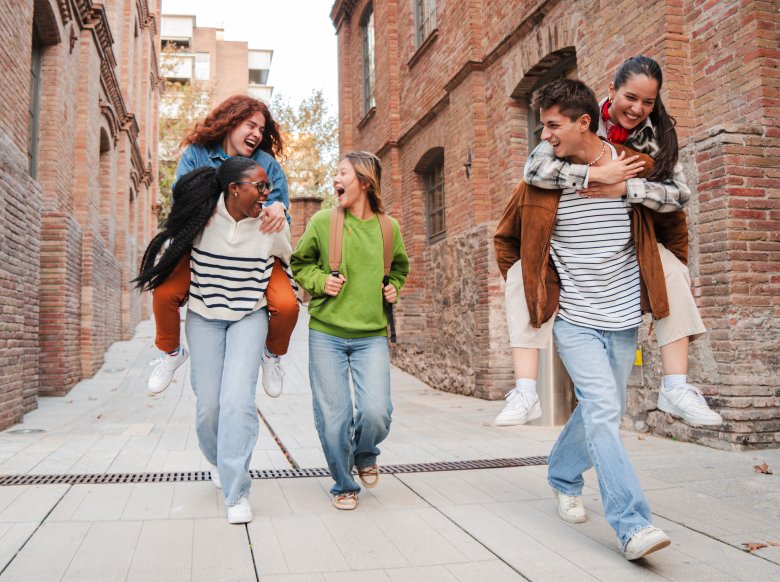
(201, 54)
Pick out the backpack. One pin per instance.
(335, 240)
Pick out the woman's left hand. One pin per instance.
(598, 190)
(390, 293)
(273, 218)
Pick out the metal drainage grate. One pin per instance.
(111, 478)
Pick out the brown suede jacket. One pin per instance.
(524, 233)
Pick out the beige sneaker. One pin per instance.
(570, 507)
(646, 541)
(369, 476)
(346, 501)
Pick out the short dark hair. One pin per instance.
(573, 98)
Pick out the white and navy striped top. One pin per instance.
(594, 253)
(231, 264)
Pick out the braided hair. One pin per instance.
(195, 196)
(663, 123)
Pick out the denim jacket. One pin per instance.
(197, 155)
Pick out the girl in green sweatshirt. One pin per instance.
(348, 326)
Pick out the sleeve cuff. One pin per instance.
(635, 190)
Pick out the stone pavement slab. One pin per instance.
(480, 524)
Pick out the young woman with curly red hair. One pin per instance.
(239, 126)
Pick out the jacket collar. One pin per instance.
(215, 152)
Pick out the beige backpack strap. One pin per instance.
(335, 239)
(386, 226)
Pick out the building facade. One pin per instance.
(202, 54)
(445, 104)
(78, 137)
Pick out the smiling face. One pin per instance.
(564, 135)
(244, 138)
(349, 189)
(244, 200)
(633, 102)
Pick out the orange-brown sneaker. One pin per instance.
(346, 501)
(369, 476)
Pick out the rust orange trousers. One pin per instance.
(168, 297)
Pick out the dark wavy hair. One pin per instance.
(195, 196)
(573, 98)
(663, 123)
(227, 115)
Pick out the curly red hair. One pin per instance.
(227, 115)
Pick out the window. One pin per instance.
(369, 70)
(202, 66)
(258, 76)
(34, 110)
(424, 19)
(433, 180)
(565, 69)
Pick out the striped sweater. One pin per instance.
(231, 265)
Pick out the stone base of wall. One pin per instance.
(444, 330)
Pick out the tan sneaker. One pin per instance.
(346, 501)
(369, 476)
(646, 541)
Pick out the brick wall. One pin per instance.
(70, 238)
(301, 211)
(465, 90)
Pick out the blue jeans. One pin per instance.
(599, 363)
(224, 364)
(349, 439)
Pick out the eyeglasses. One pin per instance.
(261, 185)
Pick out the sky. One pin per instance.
(298, 31)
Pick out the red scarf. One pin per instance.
(615, 133)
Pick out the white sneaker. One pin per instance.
(241, 512)
(273, 375)
(688, 403)
(215, 477)
(521, 407)
(646, 541)
(570, 507)
(165, 367)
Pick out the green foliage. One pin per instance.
(310, 135)
(182, 105)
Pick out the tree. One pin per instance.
(183, 103)
(310, 135)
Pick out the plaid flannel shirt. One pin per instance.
(544, 170)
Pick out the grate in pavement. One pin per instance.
(182, 476)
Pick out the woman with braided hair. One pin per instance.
(215, 224)
(239, 126)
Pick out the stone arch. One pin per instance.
(432, 155)
(45, 22)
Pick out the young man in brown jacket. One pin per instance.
(593, 265)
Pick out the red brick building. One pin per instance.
(439, 89)
(78, 137)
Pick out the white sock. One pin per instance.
(673, 382)
(175, 352)
(526, 384)
(268, 356)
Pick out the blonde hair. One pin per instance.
(368, 170)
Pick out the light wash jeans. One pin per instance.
(224, 364)
(349, 439)
(599, 363)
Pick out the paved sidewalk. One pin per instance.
(483, 524)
